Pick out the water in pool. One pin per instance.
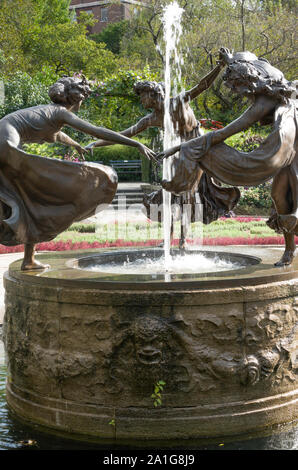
(179, 264)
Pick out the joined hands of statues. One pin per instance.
(81, 151)
(148, 153)
(167, 153)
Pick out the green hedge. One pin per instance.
(255, 200)
(122, 152)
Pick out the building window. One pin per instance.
(104, 14)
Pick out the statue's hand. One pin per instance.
(147, 152)
(225, 56)
(81, 151)
(90, 146)
(168, 153)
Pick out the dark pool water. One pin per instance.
(15, 435)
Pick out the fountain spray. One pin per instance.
(172, 16)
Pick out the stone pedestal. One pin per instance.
(84, 354)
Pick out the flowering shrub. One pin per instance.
(211, 124)
(256, 196)
(73, 157)
(23, 91)
(218, 241)
(251, 142)
(241, 219)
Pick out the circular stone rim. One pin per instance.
(63, 273)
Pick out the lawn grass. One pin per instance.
(135, 231)
(225, 231)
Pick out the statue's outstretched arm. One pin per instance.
(262, 106)
(204, 84)
(140, 126)
(66, 140)
(71, 120)
(257, 111)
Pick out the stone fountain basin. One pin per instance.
(123, 265)
(84, 349)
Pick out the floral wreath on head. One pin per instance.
(146, 86)
(258, 76)
(60, 92)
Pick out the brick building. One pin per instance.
(107, 11)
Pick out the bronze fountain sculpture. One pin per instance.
(85, 348)
(216, 200)
(40, 197)
(273, 100)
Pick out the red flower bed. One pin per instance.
(211, 124)
(220, 241)
(242, 218)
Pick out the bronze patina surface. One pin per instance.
(216, 200)
(273, 102)
(40, 197)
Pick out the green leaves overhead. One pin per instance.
(40, 41)
(34, 33)
(113, 102)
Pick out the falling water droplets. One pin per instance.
(172, 16)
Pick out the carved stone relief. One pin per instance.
(209, 353)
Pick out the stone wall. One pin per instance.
(81, 357)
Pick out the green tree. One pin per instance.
(13, 20)
(113, 102)
(67, 48)
(112, 35)
(52, 11)
(209, 25)
(23, 91)
(35, 33)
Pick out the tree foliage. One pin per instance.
(40, 41)
(34, 33)
(113, 102)
(67, 48)
(112, 35)
(52, 11)
(266, 28)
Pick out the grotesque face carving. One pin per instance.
(149, 335)
(146, 351)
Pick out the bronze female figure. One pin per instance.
(40, 197)
(273, 101)
(215, 199)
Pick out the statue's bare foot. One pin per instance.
(286, 259)
(182, 246)
(32, 265)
